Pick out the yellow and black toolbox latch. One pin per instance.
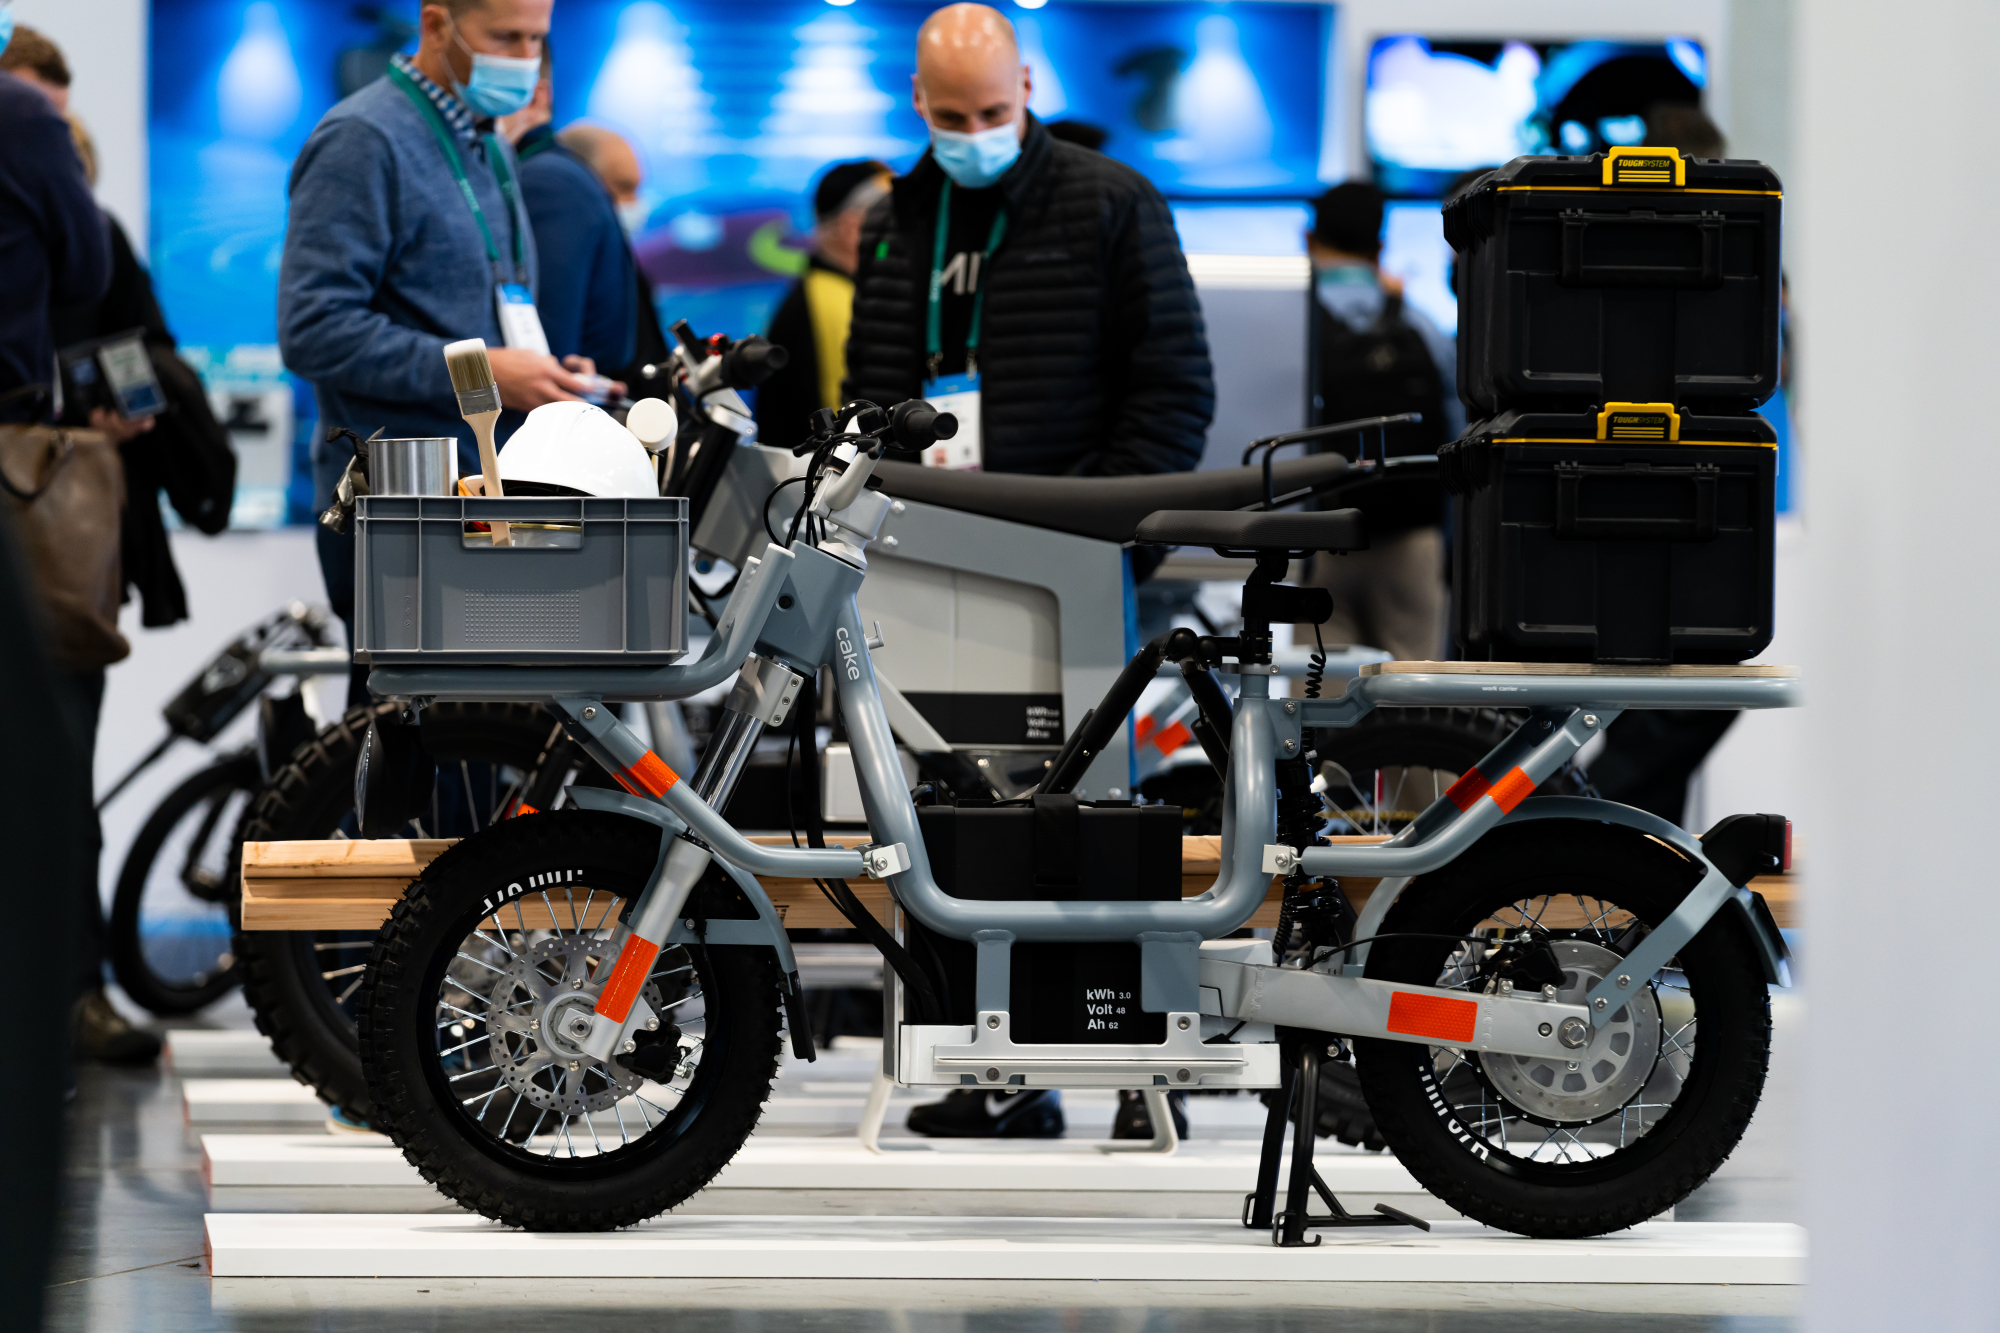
(1638, 421)
(1644, 166)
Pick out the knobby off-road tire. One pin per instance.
(453, 1064)
(302, 986)
(1421, 751)
(1545, 1173)
(192, 831)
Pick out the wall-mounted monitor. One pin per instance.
(1436, 109)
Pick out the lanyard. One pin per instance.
(448, 142)
(933, 350)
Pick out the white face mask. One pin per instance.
(976, 160)
(632, 216)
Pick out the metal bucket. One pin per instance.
(413, 467)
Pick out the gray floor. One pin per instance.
(131, 1257)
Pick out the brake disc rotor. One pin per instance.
(528, 1049)
(1596, 1080)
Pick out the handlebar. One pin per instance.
(751, 361)
(915, 424)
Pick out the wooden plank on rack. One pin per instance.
(384, 858)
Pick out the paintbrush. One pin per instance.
(479, 402)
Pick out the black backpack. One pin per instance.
(1379, 371)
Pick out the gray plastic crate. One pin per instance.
(588, 581)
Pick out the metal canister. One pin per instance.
(413, 467)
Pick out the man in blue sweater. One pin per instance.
(387, 259)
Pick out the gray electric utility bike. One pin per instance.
(1558, 1006)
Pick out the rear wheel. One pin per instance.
(303, 986)
(1646, 1112)
(168, 934)
(1381, 774)
(463, 1014)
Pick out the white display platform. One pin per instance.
(207, 1053)
(800, 1104)
(245, 1101)
(313, 1161)
(1048, 1248)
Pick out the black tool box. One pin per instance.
(1070, 851)
(1633, 534)
(1635, 275)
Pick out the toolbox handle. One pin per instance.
(1701, 527)
(1576, 273)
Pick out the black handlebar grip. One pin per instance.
(752, 361)
(917, 425)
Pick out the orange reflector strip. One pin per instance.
(1436, 1016)
(1142, 729)
(650, 774)
(1468, 789)
(1173, 738)
(526, 809)
(1512, 789)
(635, 961)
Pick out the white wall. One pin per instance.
(104, 42)
(1897, 287)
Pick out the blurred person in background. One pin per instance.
(1650, 755)
(1037, 290)
(184, 453)
(40, 826)
(1374, 355)
(811, 322)
(611, 159)
(38, 62)
(587, 296)
(386, 259)
(56, 248)
(1068, 337)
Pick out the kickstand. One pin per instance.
(1288, 1228)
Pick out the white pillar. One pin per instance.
(1896, 280)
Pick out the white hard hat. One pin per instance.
(579, 447)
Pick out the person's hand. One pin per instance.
(529, 379)
(583, 365)
(117, 425)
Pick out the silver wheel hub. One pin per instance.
(1599, 1074)
(538, 1019)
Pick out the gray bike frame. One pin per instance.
(797, 607)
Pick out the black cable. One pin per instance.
(924, 1006)
(771, 532)
(1316, 672)
(701, 606)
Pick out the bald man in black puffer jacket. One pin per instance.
(1093, 359)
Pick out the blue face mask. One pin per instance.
(6, 25)
(975, 161)
(500, 85)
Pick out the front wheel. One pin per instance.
(462, 1014)
(168, 935)
(1646, 1112)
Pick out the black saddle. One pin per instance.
(1256, 533)
(1107, 508)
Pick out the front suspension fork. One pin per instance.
(765, 690)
